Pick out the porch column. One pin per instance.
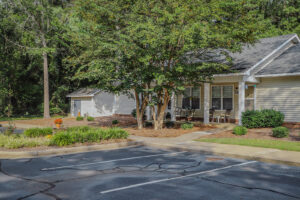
(206, 103)
(173, 106)
(241, 100)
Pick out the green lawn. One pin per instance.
(274, 144)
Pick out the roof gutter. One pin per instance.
(277, 75)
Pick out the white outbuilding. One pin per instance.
(97, 103)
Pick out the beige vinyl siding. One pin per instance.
(281, 94)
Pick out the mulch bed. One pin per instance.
(167, 132)
(259, 133)
(43, 148)
(124, 121)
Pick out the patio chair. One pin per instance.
(211, 114)
(227, 115)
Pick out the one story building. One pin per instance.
(96, 103)
(267, 77)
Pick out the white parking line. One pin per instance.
(175, 178)
(108, 161)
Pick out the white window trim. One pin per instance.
(191, 99)
(222, 96)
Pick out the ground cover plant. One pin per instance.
(89, 118)
(38, 132)
(19, 141)
(86, 134)
(79, 118)
(43, 137)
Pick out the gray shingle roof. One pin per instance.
(287, 62)
(250, 55)
(84, 92)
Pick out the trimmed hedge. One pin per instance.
(262, 118)
(240, 130)
(38, 132)
(280, 132)
(86, 134)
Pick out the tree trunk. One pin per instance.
(140, 109)
(46, 87)
(158, 116)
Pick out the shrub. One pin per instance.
(262, 118)
(187, 126)
(79, 118)
(148, 124)
(90, 118)
(61, 139)
(280, 132)
(168, 115)
(114, 122)
(133, 113)
(86, 134)
(38, 132)
(170, 124)
(240, 130)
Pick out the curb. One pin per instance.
(231, 155)
(66, 150)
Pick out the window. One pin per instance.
(191, 98)
(222, 97)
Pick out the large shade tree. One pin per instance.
(38, 25)
(154, 48)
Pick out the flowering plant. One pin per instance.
(58, 121)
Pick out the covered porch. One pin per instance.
(223, 100)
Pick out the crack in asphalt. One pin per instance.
(250, 188)
(159, 167)
(45, 191)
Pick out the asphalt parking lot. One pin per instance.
(145, 173)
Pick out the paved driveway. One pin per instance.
(144, 173)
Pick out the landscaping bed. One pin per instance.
(45, 138)
(123, 121)
(168, 132)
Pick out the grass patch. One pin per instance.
(19, 141)
(274, 144)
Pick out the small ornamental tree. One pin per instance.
(153, 48)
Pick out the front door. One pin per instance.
(77, 107)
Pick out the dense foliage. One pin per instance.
(98, 36)
(38, 132)
(280, 132)
(262, 118)
(187, 126)
(86, 134)
(240, 130)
